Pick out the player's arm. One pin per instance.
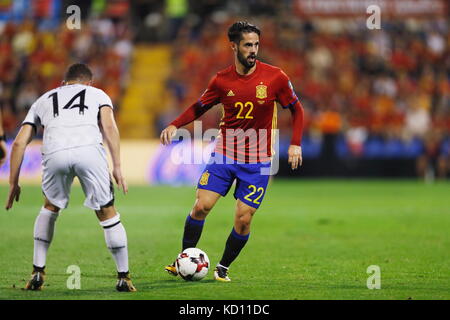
(289, 100)
(195, 111)
(295, 150)
(19, 145)
(3, 151)
(112, 137)
(208, 99)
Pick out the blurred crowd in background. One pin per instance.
(366, 93)
(34, 56)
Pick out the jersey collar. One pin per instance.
(250, 76)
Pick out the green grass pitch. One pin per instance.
(311, 239)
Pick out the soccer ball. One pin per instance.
(192, 264)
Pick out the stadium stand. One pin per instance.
(382, 94)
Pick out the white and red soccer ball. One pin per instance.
(192, 264)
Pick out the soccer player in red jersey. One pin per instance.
(248, 91)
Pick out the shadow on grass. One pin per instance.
(173, 283)
(146, 290)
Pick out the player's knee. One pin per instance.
(201, 209)
(105, 213)
(243, 222)
(245, 211)
(49, 206)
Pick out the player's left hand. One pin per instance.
(3, 152)
(14, 194)
(121, 183)
(295, 156)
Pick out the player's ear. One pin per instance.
(233, 46)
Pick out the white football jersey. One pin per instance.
(69, 115)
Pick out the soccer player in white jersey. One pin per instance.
(3, 151)
(73, 116)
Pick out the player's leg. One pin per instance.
(193, 226)
(91, 168)
(204, 202)
(236, 240)
(214, 182)
(250, 190)
(116, 241)
(44, 227)
(57, 178)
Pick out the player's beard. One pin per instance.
(244, 60)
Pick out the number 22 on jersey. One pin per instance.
(242, 106)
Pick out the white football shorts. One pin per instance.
(89, 164)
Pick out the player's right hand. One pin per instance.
(167, 134)
(14, 194)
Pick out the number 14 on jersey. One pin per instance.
(81, 95)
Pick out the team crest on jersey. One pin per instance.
(204, 178)
(261, 91)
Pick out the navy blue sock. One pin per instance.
(233, 247)
(192, 232)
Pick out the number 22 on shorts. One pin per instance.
(254, 189)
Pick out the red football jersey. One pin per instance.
(249, 109)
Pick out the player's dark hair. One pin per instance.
(78, 71)
(238, 28)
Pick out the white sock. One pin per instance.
(116, 241)
(43, 235)
(219, 265)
